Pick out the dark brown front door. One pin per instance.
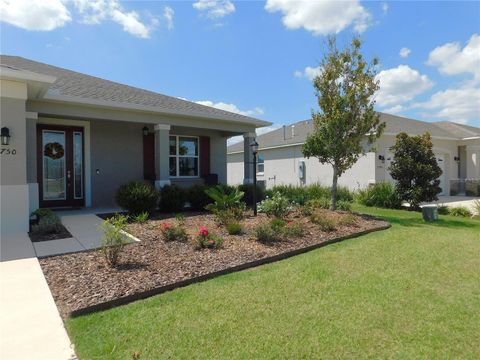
(60, 166)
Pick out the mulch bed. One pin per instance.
(83, 281)
(37, 237)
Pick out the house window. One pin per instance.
(183, 156)
(260, 164)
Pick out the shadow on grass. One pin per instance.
(416, 221)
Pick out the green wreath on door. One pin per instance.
(54, 150)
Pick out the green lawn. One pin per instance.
(412, 291)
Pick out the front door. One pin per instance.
(60, 167)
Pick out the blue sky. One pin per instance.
(258, 57)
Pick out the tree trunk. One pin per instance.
(334, 188)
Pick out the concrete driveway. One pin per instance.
(455, 201)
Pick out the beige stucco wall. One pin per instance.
(281, 167)
(13, 168)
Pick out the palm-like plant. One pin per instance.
(223, 200)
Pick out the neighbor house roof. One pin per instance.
(74, 87)
(296, 133)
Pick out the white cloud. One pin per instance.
(384, 7)
(96, 11)
(321, 17)
(458, 105)
(404, 52)
(232, 108)
(45, 15)
(168, 15)
(215, 9)
(309, 73)
(399, 85)
(451, 59)
(394, 109)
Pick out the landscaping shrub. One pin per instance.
(278, 206)
(113, 240)
(293, 229)
(320, 203)
(48, 222)
(460, 211)
(277, 225)
(344, 205)
(172, 198)
(141, 218)
(348, 220)
(265, 234)
(325, 223)
(234, 228)
(207, 240)
(247, 189)
(172, 232)
(443, 210)
(302, 194)
(382, 195)
(137, 197)
(198, 198)
(226, 206)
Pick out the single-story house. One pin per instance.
(280, 158)
(70, 139)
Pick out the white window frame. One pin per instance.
(260, 173)
(177, 156)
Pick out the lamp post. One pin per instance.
(254, 146)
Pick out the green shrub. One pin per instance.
(325, 223)
(137, 197)
(173, 233)
(460, 211)
(141, 218)
(348, 220)
(113, 239)
(48, 222)
(443, 210)
(381, 195)
(198, 198)
(319, 203)
(277, 225)
(247, 189)
(265, 234)
(344, 205)
(226, 206)
(294, 229)
(278, 206)
(302, 194)
(172, 198)
(207, 240)
(234, 228)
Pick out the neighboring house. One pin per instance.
(74, 139)
(280, 158)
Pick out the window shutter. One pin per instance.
(204, 156)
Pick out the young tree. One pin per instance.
(415, 169)
(347, 120)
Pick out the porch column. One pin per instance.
(162, 171)
(248, 157)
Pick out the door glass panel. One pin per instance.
(78, 165)
(54, 165)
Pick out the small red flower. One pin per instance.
(203, 231)
(166, 226)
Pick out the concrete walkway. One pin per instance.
(30, 325)
(84, 228)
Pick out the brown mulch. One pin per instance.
(62, 234)
(82, 279)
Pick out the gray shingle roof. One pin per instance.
(73, 84)
(394, 125)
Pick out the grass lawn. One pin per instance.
(412, 291)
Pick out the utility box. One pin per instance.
(301, 171)
(430, 212)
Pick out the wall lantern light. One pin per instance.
(145, 131)
(381, 158)
(456, 158)
(5, 135)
